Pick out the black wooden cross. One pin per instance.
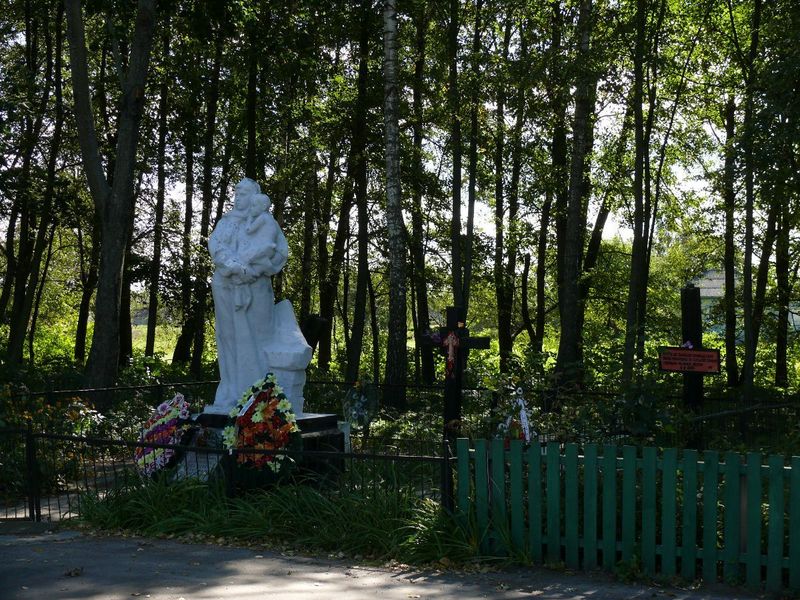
(455, 342)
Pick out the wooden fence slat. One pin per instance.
(689, 521)
(753, 520)
(710, 495)
(775, 527)
(794, 525)
(571, 509)
(482, 493)
(590, 506)
(498, 500)
(464, 480)
(609, 544)
(628, 502)
(732, 528)
(535, 502)
(516, 496)
(649, 473)
(669, 485)
(553, 503)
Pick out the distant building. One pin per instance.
(712, 294)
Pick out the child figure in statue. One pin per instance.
(262, 234)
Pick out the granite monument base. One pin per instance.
(319, 433)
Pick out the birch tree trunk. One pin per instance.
(396, 356)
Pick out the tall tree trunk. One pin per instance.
(417, 241)
(161, 176)
(640, 148)
(38, 300)
(541, 260)
(376, 339)
(504, 334)
(307, 262)
(26, 283)
(250, 167)
(396, 343)
(89, 272)
(750, 336)
(183, 345)
(125, 324)
(729, 199)
(324, 216)
(455, 143)
(209, 157)
(558, 188)
(784, 296)
(570, 353)
(762, 276)
(356, 340)
(472, 168)
(329, 287)
(114, 202)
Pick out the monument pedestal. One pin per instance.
(319, 432)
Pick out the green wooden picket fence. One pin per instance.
(719, 517)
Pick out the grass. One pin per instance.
(382, 524)
(166, 337)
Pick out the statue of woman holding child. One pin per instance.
(247, 248)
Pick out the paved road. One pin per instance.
(69, 565)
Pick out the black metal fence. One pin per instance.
(44, 472)
(45, 476)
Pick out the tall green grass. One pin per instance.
(379, 523)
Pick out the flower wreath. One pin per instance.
(264, 420)
(167, 425)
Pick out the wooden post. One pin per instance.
(692, 334)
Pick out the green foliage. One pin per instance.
(385, 523)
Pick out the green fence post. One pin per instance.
(794, 525)
(590, 506)
(482, 493)
(689, 529)
(775, 528)
(571, 508)
(535, 501)
(669, 485)
(553, 503)
(752, 503)
(710, 495)
(733, 507)
(516, 497)
(609, 506)
(462, 454)
(628, 502)
(498, 499)
(649, 473)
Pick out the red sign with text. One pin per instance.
(688, 360)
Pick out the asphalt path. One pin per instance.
(39, 564)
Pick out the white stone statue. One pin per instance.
(254, 335)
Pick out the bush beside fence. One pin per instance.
(693, 514)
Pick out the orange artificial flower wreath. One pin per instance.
(264, 421)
